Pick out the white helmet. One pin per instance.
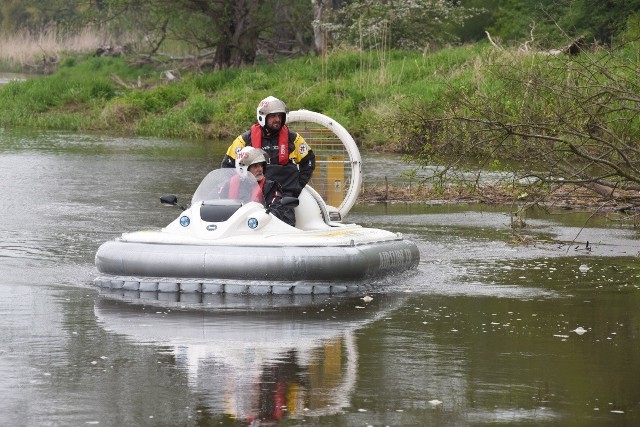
(271, 105)
(249, 156)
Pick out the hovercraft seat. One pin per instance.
(219, 210)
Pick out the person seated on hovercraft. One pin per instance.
(250, 166)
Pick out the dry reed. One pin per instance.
(25, 48)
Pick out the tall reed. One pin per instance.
(25, 49)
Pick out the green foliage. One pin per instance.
(170, 125)
(346, 63)
(69, 121)
(213, 82)
(629, 39)
(474, 27)
(69, 62)
(601, 20)
(199, 109)
(231, 28)
(574, 118)
(159, 100)
(101, 89)
(194, 26)
(403, 24)
(356, 88)
(83, 66)
(36, 14)
(556, 22)
(400, 99)
(120, 114)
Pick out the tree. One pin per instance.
(474, 28)
(598, 21)
(34, 15)
(513, 21)
(400, 24)
(323, 10)
(601, 20)
(235, 31)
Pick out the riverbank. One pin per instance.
(134, 95)
(388, 103)
(566, 197)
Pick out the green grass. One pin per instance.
(362, 90)
(107, 94)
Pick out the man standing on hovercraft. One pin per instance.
(290, 159)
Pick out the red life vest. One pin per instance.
(234, 189)
(283, 142)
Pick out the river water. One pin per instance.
(483, 332)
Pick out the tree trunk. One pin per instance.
(222, 58)
(319, 35)
(238, 44)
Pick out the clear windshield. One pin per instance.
(226, 184)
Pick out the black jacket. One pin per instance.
(292, 177)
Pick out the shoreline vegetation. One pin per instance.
(27, 52)
(83, 83)
(565, 197)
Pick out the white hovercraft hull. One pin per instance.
(296, 264)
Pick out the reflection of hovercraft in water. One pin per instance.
(263, 364)
(209, 247)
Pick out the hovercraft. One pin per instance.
(221, 245)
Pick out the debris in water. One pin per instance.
(583, 268)
(367, 299)
(435, 402)
(579, 330)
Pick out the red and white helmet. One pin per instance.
(271, 105)
(249, 156)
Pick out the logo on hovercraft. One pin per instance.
(395, 259)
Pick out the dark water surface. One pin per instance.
(484, 332)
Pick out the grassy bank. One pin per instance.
(370, 93)
(361, 90)
(375, 95)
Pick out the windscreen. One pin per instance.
(226, 183)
